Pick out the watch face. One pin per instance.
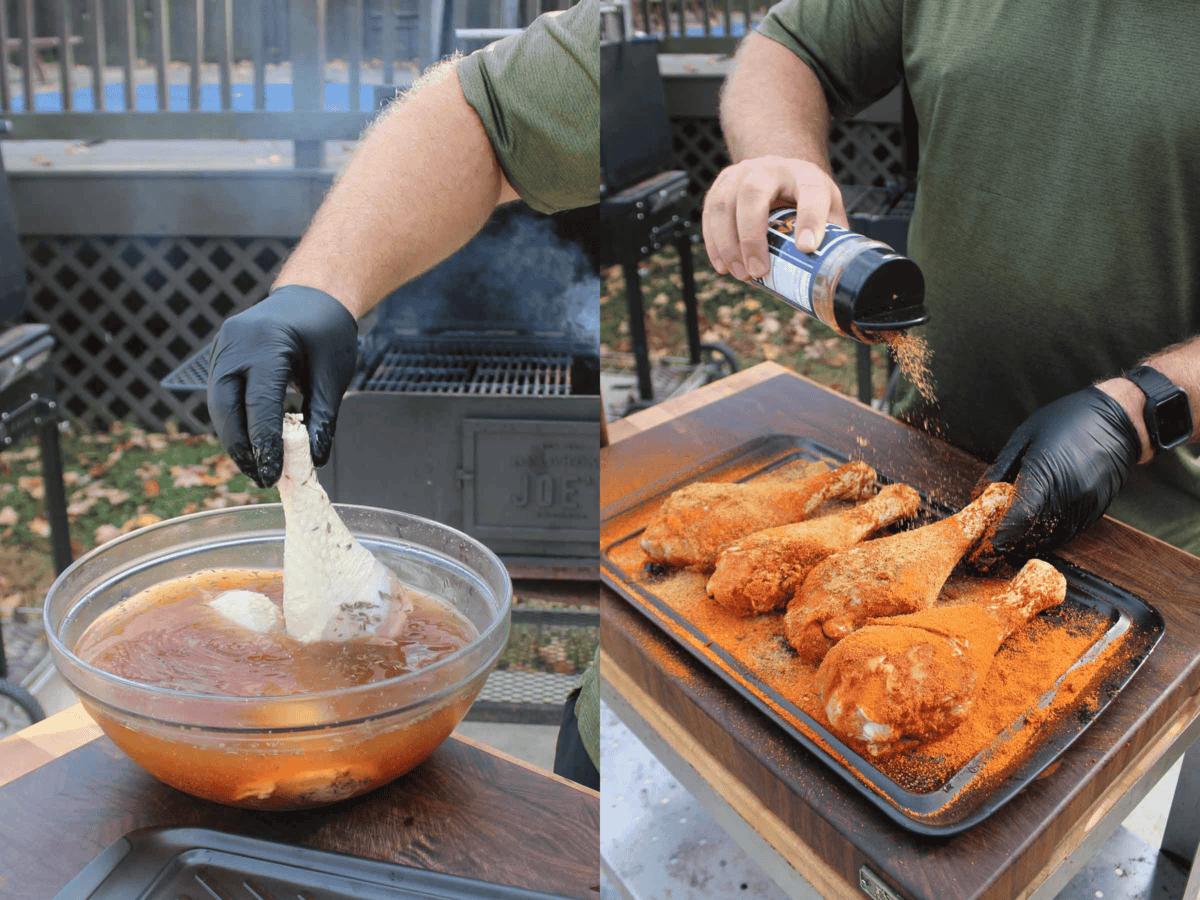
(1173, 417)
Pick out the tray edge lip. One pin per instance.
(173, 841)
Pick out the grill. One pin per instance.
(464, 370)
(476, 398)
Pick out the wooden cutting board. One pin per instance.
(817, 824)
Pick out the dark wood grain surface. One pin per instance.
(996, 859)
(464, 811)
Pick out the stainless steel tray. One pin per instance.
(943, 809)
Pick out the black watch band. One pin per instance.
(1168, 412)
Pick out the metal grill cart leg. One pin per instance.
(52, 476)
(28, 407)
(691, 306)
(1181, 838)
(644, 200)
(637, 327)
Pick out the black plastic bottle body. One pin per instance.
(857, 286)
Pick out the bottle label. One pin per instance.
(791, 272)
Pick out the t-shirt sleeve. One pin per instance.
(538, 95)
(855, 47)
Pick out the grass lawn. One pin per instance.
(126, 478)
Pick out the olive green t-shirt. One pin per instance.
(1056, 213)
(538, 94)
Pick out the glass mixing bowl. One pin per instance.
(283, 752)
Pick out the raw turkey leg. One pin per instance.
(761, 571)
(890, 576)
(697, 522)
(911, 679)
(333, 588)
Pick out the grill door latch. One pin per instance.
(464, 477)
(873, 886)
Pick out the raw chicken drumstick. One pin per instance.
(333, 587)
(911, 679)
(697, 522)
(901, 573)
(763, 570)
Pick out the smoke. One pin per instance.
(519, 275)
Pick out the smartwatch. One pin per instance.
(1168, 412)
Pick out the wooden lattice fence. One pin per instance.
(125, 311)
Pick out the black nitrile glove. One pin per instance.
(1068, 460)
(296, 333)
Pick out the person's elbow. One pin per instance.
(758, 59)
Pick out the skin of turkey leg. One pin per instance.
(760, 572)
(889, 576)
(913, 677)
(700, 520)
(333, 587)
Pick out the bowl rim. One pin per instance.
(500, 621)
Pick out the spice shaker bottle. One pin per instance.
(857, 286)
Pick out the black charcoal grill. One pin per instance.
(476, 399)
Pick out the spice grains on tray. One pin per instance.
(1025, 639)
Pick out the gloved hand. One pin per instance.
(1069, 460)
(298, 333)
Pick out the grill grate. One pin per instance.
(402, 370)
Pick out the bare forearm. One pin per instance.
(1181, 364)
(419, 186)
(773, 105)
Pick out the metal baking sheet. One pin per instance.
(958, 803)
(174, 863)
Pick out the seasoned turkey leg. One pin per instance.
(911, 679)
(697, 522)
(761, 571)
(333, 588)
(889, 576)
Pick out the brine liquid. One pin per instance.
(169, 636)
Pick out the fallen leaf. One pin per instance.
(9, 604)
(225, 468)
(42, 160)
(22, 455)
(113, 458)
(191, 508)
(32, 485)
(105, 533)
(80, 507)
(40, 527)
(151, 487)
(112, 495)
(140, 521)
(187, 476)
(8, 516)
